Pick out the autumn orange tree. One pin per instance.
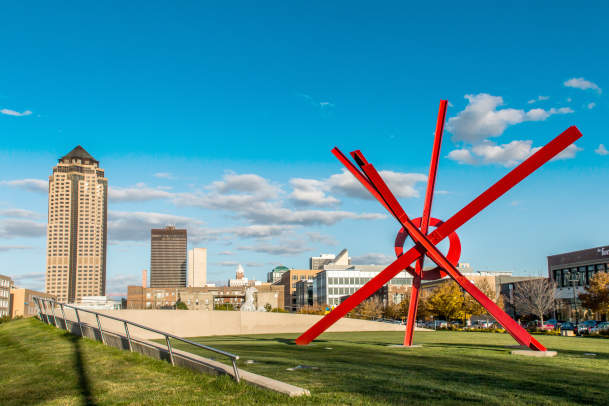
(446, 301)
(596, 297)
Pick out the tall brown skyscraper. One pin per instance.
(167, 258)
(77, 228)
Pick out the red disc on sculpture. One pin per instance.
(454, 250)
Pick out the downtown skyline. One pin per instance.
(228, 132)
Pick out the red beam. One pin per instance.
(486, 198)
(431, 182)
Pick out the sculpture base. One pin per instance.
(405, 346)
(531, 353)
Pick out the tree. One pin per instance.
(446, 301)
(268, 307)
(371, 308)
(596, 297)
(181, 305)
(536, 296)
(471, 305)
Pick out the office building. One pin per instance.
(6, 283)
(572, 271)
(197, 267)
(318, 263)
(332, 285)
(288, 281)
(77, 228)
(23, 304)
(304, 293)
(275, 275)
(202, 298)
(167, 258)
(240, 279)
(99, 303)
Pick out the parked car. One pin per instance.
(484, 324)
(586, 326)
(555, 323)
(439, 324)
(567, 325)
(538, 325)
(600, 328)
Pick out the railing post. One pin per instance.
(236, 370)
(46, 312)
(128, 337)
(53, 309)
(82, 334)
(63, 314)
(39, 308)
(101, 333)
(170, 351)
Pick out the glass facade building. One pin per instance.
(333, 283)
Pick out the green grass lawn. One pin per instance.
(42, 365)
(451, 368)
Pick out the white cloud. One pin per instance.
(510, 154)
(116, 286)
(401, 184)
(463, 156)
(601, 150)
(138, 193)
(227, 264)
(259, 230)
(34, 185)
(163, 175)
(228, 253)
(281, 248)
(32, 280)
(567, 153)
(256, 199)
(311, 192)
(481, 119)
(135, 226)
(15, 113)
(234, 192)
(591, 105)
(273, 213)
(583, 84)
(5, 248)
(14, 228)
(538, 99)
(321, 104)
(373, 259)
(246, 183)
(321, 238)
(19, 213)
(507, 154)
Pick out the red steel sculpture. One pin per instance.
(425, 243)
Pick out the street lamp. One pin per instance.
(574, 278)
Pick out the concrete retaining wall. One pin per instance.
(199, 323)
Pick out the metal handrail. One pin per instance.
(40, 300)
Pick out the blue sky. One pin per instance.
(221, 118)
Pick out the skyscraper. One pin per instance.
(77, 228)
(197, 267)
(167, 258)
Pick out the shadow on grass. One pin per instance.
(83, 379)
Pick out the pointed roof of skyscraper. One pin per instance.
(78, 153)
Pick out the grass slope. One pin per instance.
(451, 368)
(42, 365)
